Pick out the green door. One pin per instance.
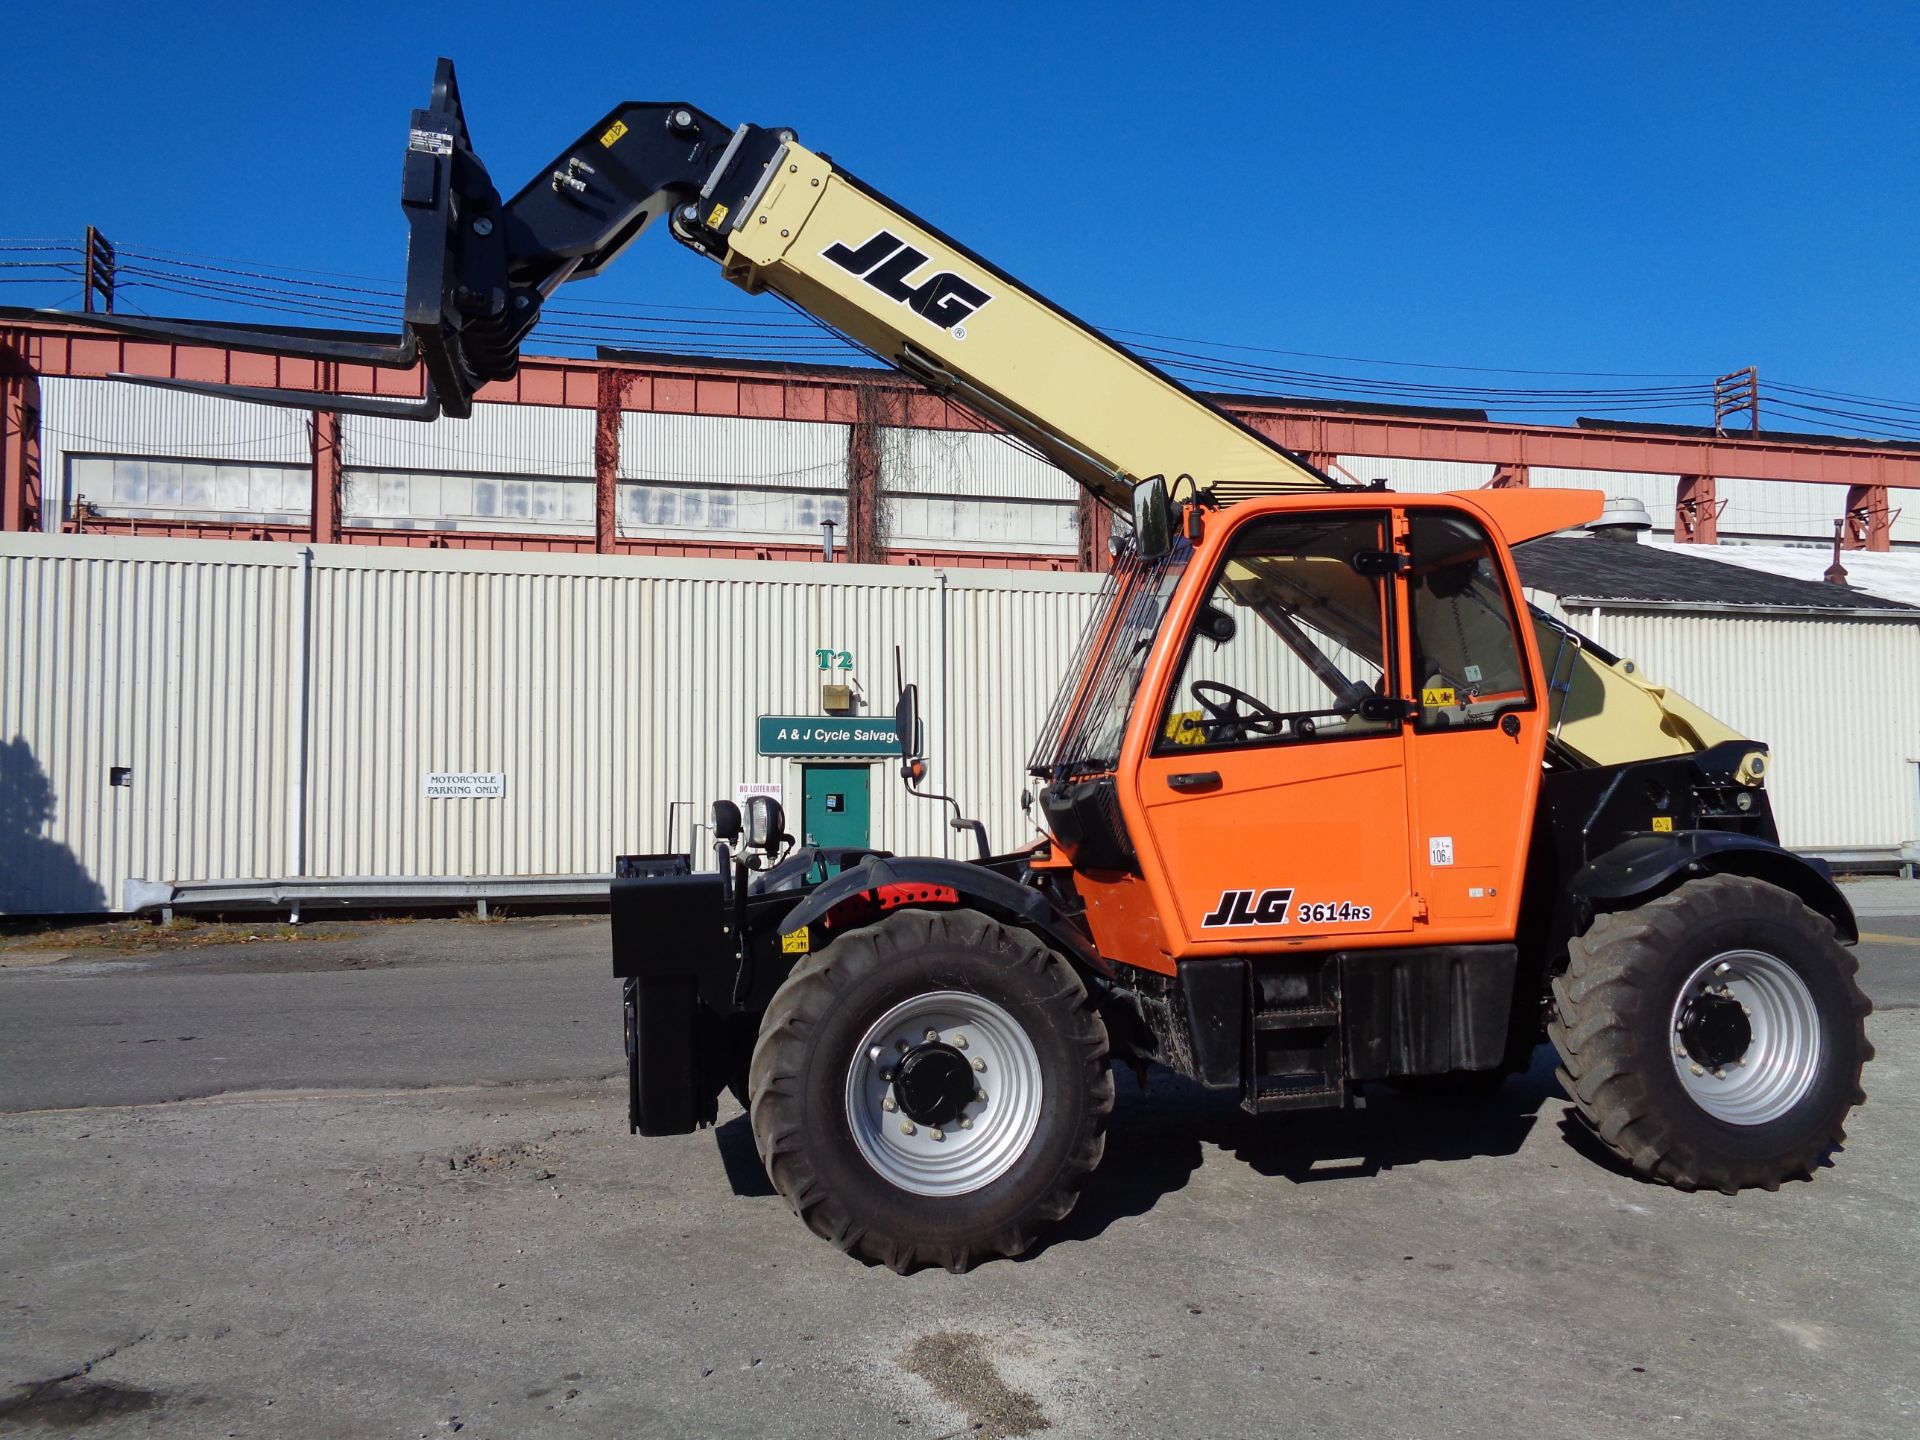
(835, 805)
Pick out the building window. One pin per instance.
(140, 487)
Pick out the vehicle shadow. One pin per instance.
(741, 1159)
(1157, 1139)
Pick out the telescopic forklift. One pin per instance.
(1325, 803)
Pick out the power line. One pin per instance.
(325, 295)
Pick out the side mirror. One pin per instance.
(1216, 624)
(1377, 708)
(1152, 519)
(1378, 564)
(726, 821)
(906, 724)
(766, 822)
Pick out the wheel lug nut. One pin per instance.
(931, 1037)
(887, 1075)
(1746, 1010)
(902, 1046)
(978, 1093)
(966, 1122)
(1696, 1070)
(906, 1127)
(888, 1105)
(1719, 1072)
(1681, 1051)
(959, 1042)
(936, 1133)
(978, 1063)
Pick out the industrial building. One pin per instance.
(263, 653)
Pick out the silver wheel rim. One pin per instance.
(990, 1134)
(1783, 1055)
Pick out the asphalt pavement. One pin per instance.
(380, 1184)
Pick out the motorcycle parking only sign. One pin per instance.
(464, 785)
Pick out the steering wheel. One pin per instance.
(1225, 715)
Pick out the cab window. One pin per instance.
(1467, 661)
(1291, 640)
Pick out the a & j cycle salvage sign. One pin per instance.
(828, 735)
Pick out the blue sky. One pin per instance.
(1632, 189)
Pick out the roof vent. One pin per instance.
(1623, 519)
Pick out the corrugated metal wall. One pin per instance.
(1838, 700)
(722, 450)
(497, 439)
(111, 417)
(605, 688)
(176, 661)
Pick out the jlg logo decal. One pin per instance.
(1269, 907)
(1239, 907)
(886, 262)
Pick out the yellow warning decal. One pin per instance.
(1663, 823)
(612, 133)
(715, 216)
(795, 943)
(1434, 697)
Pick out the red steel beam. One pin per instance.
(1696, 511)
(19, 446)
(1868, 524)
(328, 476)
(823, 393)
(610, 397)
(1510, 477)
(1489, 442)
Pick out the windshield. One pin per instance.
(1089, 714)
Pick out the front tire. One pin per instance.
(932, 1089)
(1714, 1037)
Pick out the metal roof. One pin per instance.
(1593, 570)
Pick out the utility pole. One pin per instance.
(99, 271)
(1734, 393)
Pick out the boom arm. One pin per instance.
(775, 216)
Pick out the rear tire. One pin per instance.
(970, 1179)
(1714, 1037)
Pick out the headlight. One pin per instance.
(766, 822)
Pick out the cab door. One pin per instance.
(1478, 734)
(1274, 792)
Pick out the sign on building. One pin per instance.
(464, 785)
(828, 736)
(746, 789)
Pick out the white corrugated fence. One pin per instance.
(606, 688)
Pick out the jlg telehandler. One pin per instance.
(1327, 804)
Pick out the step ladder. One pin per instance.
(1295, 1056)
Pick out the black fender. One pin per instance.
(1644, 864)
(987, 890)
